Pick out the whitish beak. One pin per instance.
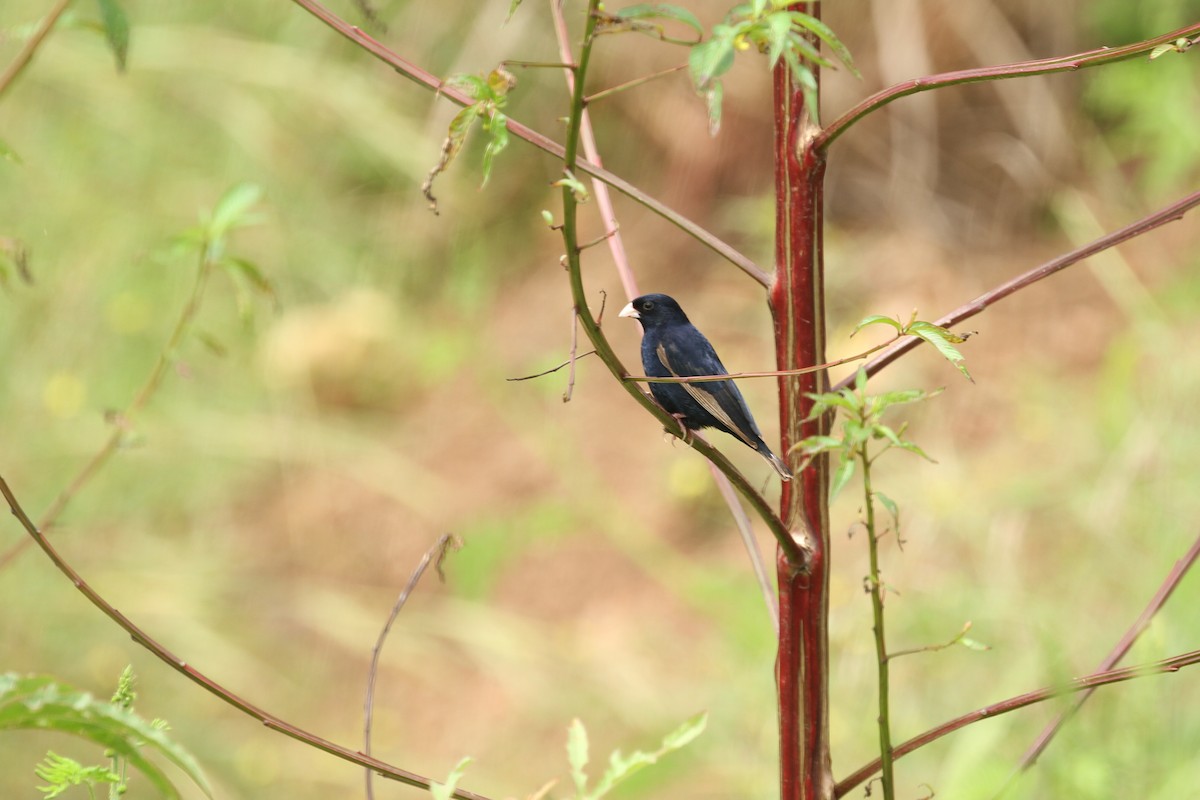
(629, 311)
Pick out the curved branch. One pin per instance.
(1173, 664)
(1171, 213)
(1165, 590)
(430, 81)
(1043, 66)
(199, 678)
(592, 328)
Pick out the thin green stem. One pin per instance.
(592, 329)
(120, 425)
(876, 589)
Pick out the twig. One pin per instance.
(752, 549)
(1096, 679)
(875, 589)
(199, 678)
(166, 358)
(1171, 213)
(32, 44)
(932, 648)
(439, 550)
(600, 95)
(429, 81)
(782, 373)
(616, 245)
(1181, 568)
(787, 541)
(572, 359)
(552, 369)
(1042, 66)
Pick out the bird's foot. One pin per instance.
(683, 433)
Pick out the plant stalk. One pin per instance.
(797, 300)
(876, 589)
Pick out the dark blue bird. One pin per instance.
(672, 347)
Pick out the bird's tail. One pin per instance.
(785, 474)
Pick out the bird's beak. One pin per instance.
(629, 311)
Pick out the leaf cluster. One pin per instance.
(768, 26)
(862, 423)
(490, 95)
(44, 703)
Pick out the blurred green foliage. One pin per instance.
(292, 469)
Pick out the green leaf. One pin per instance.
(445, 791)
(497, 126)
(713, 98)
(116, 30)
(232, 210)
(841, 477)
(972, 644)
(43, 703)
(805, 50)
(661, 11)
(62, 773)
(891, 507)
(577, 754)
(473, 86)
(817, 444)
(250, 272)
(779, 28)
(903, 397)
(711, 59)
(512, 9)
(621, 767)
(825, 34)
(943, 340)
(576, 186)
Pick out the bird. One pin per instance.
(673, 347)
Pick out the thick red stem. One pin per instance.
(798, 305)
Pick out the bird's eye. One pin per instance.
(646, 306)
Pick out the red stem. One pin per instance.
(797, 304)
(1172, 664)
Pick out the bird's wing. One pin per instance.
(715, 398)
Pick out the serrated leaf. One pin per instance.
(902, 397)
(116, 30)
(841, 477)
(826, 34)
(577, 754)
(43, 703)
(805, 50)
(661, 11)
(621, 767)
(912, 448)
(445, 791)
(686, 733)
(943, 340)
(232, 210)
(877, 319)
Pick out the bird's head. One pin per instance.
(653, 310)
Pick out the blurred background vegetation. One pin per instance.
(278, 490)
